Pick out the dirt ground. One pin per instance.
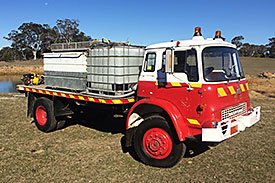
(259, 87)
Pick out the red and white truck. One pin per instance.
(191, 88)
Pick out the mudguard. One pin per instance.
(175, 115)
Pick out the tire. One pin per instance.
(43, 113)
(154, 143)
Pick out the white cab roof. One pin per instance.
(196, 41)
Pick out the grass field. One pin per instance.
(253, 66)
(21, 67)
(90, 151)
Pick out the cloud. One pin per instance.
(46, 3)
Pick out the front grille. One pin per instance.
(234, 111)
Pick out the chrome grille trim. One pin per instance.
(234, 111)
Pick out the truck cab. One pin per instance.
(191, 88)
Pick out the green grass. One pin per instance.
(83, 154)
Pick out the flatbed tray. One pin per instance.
(41, 89)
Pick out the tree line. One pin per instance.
(31, 40)
(252, 50)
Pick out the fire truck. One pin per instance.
(190, 88)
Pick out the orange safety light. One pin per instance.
(218, 34)
(178, 43)
(197, 31)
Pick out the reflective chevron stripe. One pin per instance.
(177, 84)
(230, 90)
(242, 87)
(193, 121)
(81, 97)
(246, 84)
(221, 92)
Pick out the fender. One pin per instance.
(175, 115)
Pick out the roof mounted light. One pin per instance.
(197, 31)
(218, 35)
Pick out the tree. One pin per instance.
(9, 54)
(67, 31)
(251, 50)
(29, 36)
(271, 47)
(237, 41)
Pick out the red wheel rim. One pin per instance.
(41, 115)
(157, 143)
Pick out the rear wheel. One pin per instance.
(43, 113)
(154, 143)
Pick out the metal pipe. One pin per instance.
(110, 96)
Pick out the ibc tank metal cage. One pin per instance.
(113, 69)
(73, 46)
(84, 45)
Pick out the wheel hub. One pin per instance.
(41, 115)
(157, 143)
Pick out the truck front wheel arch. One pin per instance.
(147, 107)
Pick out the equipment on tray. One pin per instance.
(32, 79)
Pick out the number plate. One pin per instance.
(233, 130)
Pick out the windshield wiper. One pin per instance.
(239, 79)
(227, 79)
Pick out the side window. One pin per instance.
(179, 61)
(150, 62)
(186, 61)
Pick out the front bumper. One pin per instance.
(230, 127)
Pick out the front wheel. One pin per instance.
(43, 113)
(154, 143)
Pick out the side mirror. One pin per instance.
(169, 61)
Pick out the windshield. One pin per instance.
(221, 64)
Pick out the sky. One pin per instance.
(145, 22)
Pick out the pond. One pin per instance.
(8, 83)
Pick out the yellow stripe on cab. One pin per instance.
(221, 92)
(242, 87)
(193, 121)
(175, 84)
(232, 90)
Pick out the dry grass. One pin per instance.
(21, 67)
(253, 66)
(90, 149)
(259, 87)
(92, 152)
(38, 62)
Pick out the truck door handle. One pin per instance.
(189, 89)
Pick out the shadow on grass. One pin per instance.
(101, 121)
(114, 124)
(195, 147)
(104, 122)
